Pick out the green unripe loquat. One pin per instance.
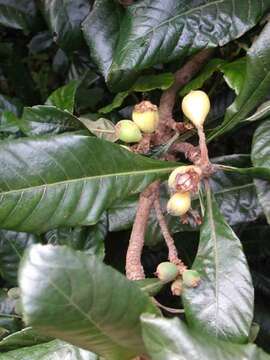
(128, 131)
(145, 115)
(177, 287)
(191, 278)
(196, 106)
(167, 271)
(179, 204)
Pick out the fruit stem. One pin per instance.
(203, 147)
(173, 254)
(134, 269)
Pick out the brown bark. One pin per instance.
(134, 269)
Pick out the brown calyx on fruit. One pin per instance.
(145, 106)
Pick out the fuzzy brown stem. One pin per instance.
(167, 100)
(191, 152)
(203, 146)
(134, 269)
(173, 254)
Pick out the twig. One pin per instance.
(191, 152)
(173, 254)
(167, 101)
(134, 269)
(169, 309)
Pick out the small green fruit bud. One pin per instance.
(14, 293)
(176, 287)
(185, 178)
(179, 204)
(145, 116)
(128, 131)
(167, 271)
(196, 106)
(191, 278)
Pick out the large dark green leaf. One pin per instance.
(47, 119)
(18, 14)
(68, 180)
(222, 304)
(235, 74)
(64, 20)
(172, 340)
(76, 298)
(64, 97)
(150, 34)
(12, 247)
(53, 350)
(261, 157)
(23, 338)
(255, 87)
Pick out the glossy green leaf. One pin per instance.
(173, 340)
(64, 19)
(101, 31)
(256, 85)
(10, 124)
(46, 119)
(102, 128)
(116, 103)
(16, 14)
(235, 74)
(23, 338)
(68, 180)
(152, 82)
(90, 239)
(262, 112)
(222, 304)
(64, 97)
(12, 247)
(147, 35)
(207, 71)
(53, 350)
(261, 157)
(151, 286)
(76, 298)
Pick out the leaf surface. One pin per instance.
(75, 297)
(222, 304)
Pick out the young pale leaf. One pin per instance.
(172, 340)
(68, 180)
(64, 97)
(260, 155)
(222, 304)
(53, 350)
(76, 298)
(146, 35)
(102, 128)
(255, 87)
(23, 338)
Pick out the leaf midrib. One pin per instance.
(213, 233)
(89, 178)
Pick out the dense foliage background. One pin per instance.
(69, 71)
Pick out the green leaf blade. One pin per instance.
(222, 304)
(75, 297)
(68, 180)
(260, 155)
